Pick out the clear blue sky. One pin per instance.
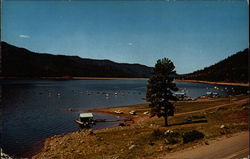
(193, 34)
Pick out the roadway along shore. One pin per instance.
(235, 146)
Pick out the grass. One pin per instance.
(151, 138)
(193, 105)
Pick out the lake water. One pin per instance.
(33, 110)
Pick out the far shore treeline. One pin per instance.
(232, 69)
(21, 63)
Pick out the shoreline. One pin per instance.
(210, 82)
(131, 122)
(128, 119)
(73, 78)
(121, 78)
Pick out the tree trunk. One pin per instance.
(166, 120)
(166, 115)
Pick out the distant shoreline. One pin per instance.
(74, 78)
(219, 83)
(109, 78)
(123, 78)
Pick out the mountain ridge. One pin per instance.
(231, 69)
(21, 62)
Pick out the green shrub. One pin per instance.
(172, 134)
(171, 140)
(192, 136)
(170, 137)
(157, 134)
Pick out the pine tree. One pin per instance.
(160, 89)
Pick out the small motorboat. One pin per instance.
(85, 119)
(118, 112)
(132, 112)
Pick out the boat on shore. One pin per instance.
(85, 119)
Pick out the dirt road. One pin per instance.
(234, 147)
(218, 106)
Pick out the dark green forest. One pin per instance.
(232, 69)
(20, 62)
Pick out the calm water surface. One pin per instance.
(33, 110)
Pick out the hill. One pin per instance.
(20, 62)
(232, 69)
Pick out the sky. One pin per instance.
(193, 34)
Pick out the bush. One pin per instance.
(171, 140)
(170, 137)
(192, 136)
(157, 134)
(172, 134)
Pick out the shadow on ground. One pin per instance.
(189, 122)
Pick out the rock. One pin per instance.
(151, 143)
(146, 112)
(190, 118)
(244, 108)
(161, 148)
(91, 132)
(169, 148)
(222, 126)
(168, 132)
(81, 141)
(131, 147)
(123, 124)
(4, 156)
(166, 141)
(132, 112)
(118, 112)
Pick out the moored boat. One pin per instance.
(85, 119)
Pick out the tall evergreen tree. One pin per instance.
(160, 89)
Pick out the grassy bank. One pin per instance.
(146, 137)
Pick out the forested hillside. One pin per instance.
(232, 69)
(20, 62)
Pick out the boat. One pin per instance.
(118, 112)
(180, 95)
(85, 119)
(212, 94)
(132, 112)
